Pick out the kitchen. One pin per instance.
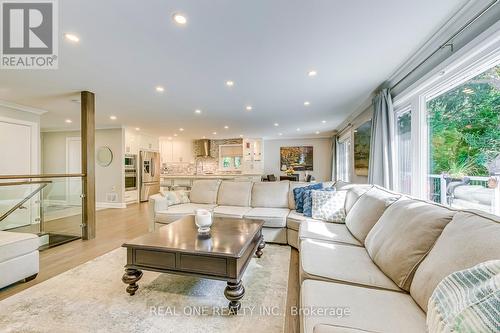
(176, 162)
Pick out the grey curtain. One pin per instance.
(381, 166)
(334, 157)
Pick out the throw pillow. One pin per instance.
(176, 197)
(299, 192)
(466, 301)
(308, 200)
(328, 206)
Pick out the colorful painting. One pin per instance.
(299, 158)
(362, 136)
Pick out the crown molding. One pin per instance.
(20, 107)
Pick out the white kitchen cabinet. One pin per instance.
(176, 151)
(147, 142)
(131, 143)
(253, 156)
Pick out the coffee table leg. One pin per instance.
(260, 247)
(131, 277)
(234, 292)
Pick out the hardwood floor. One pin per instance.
(114, 227)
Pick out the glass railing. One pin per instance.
(469, 192)
(50, 207)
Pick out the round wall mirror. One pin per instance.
(104, 156)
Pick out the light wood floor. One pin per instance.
(114, 227)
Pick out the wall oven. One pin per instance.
(130, 180)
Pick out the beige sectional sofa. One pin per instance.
(373, 273)
(376, 272)
(272, 202)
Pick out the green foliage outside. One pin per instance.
(464, 126)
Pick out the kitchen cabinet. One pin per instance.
(135, 142)
(176, 151)
(253, 156)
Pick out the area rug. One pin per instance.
(92, 298)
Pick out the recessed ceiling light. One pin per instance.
(312, 73)
(203, 137)
(112, 117)
(226, 127)
(298, 129)
(71, 37)
(179, 18)
(249, 108)
(323, 121)
(280, 134)
(170, 138)
(160, 89)
(181, 129)
(175, 134)
(197, 111)
(276, 124)
(214, 133)
(317, 132)
(68, 121)
(241, 135)
(229, 83)
(306, 103)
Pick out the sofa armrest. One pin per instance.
(157, 202)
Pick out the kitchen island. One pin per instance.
(183, 180)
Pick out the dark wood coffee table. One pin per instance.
(177, 248)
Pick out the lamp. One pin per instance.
(283, 167)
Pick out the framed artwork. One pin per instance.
(299, 158)
(362, 136)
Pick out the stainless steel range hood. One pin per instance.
(202, 148)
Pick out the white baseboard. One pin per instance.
(110, 205)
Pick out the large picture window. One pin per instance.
(464, 142)
(344, 158)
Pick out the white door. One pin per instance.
(74, 165)
(15, 159)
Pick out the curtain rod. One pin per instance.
(447, 42)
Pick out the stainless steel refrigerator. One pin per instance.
(149, 174)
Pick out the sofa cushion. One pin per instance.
(16, 244)
(298, 195)
(294, 219)
(367, 210)
(469, 239)
(233, 193)
(231, 211)
(204, 191)
(404, 234)
(341, 263)
(293, 185)
(327, 231)
(270, 194)
(354, 191)
(368, 309)
(328, 206)
(272, 217)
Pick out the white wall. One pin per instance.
(108, 179)
(322, 150)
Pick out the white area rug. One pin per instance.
(92, 298)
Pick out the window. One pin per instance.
(230, 157)
(464, 142)
(403, 150)
(344, 158)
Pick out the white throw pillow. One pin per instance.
(328, 206)
(176, 197)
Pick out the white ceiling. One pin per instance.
(265, 46)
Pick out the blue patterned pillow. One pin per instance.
(307, 197)
(299, 192)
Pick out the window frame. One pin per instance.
(233, 159)
(471, 60)
(343, 139)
